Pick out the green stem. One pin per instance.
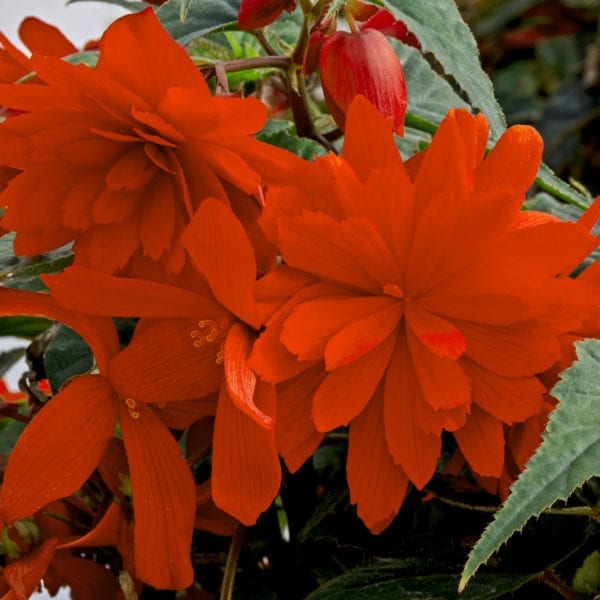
(231, 564)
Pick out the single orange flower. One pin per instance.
(258, 13)
(52, 459)
(411, 302)
(126, 152)
(194, 340)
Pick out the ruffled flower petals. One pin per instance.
(377, 485)
(245, 467)
(439, 335)
(239, 378)
(481, 441)
(52, 459)
(346, 390)
(164, 501)
(219, 247)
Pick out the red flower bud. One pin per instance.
(363, 63)
(258, 13)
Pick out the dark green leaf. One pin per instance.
(449, 46)
(67, 355)
(405, 580)
(23, 327)
(201, 17)
(328, 506)
(568, 456)
(10, 430)
(549, 182)
(9, 358)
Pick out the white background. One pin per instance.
(80, 22)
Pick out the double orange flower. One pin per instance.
(411, 298)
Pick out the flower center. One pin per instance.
(210, 331)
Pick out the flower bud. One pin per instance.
(365, 63)
(258, 13)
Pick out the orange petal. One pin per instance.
(412, 447)
(137, 51)
(369, 141)
(245, 468)
(164, 501)
(481, 441)
(358, 338)
(439, 335)
(377, 485)
(86, 578)
(508, 399)
(295, 433)
(443, 380)
(45, 39)
(52, 459)
(24, 575)
(312, 324)
(347, 390)
(513, 162)
(219, 247)
(239, 377)
(184, 371)
(87, 290)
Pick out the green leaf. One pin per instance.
(406, 580)
(10, 430)
(328, 505)
(23, 273)
(89, 58)
(549, 182)
(23, 327)
(9, 358)
(67, 355)
(199, 17)
(283, 135)
(568, 456)
(449, 46)
(587, 577)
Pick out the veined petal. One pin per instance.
(87, 290)
(312, 324)
(412, 447)
(219, 247)
(346, 390)
(439, 335)
(481, 440)
(369, 142)
(164, 501)
(295, 434)
(377, 485)
(245, 468)
(239, 377)
(188, 368)
(443, 380)
(52, 459)
(362, 336)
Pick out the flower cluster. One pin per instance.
(274, 300)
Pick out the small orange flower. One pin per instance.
(411, 302)
(126, 152)
(258, 13)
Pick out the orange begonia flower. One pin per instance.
(52, 459)
(126, 152)
(189, 344)
(411, 302)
